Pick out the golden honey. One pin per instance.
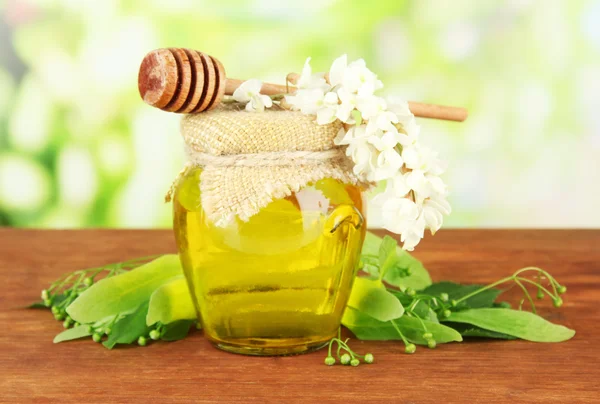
(278, 283)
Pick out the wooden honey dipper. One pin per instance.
(187, 81)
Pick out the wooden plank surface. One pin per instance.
(34, 369)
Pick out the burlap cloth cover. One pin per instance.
(251, 158)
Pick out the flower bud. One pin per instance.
(431, 343)
(154, 334)
(97, 337)
(45, 295)
(345, 359)
(427, 335)
(330, 361)
(444, 297)
(369, 358)
(562, 289)
(355, 362)
(410, 348)
(142, 341)
(558, 302)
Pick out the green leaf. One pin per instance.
(396, 275)
(387, 254)
(72, 333)
(171, 302)
(422, 309)
(125, 292)
(370, 297)
(456, 291)
(469, 330)
(367, 328)
(521, 324)
(38, 305)
(129, 328)
(177, 330)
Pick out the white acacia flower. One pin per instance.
(249, 92)
(433, 213)
(371, 106)
(364, 156)
(385, 141)
(316, 102)
(354, 134)
(354, 77)
(399, 213)
(412, 234)
(388, 165)
(399, 107)
(384, 121)
(348, 104)
(309, 80)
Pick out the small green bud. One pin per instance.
(444, 297)
(88, 281)
(369, 358)
(59, 316)
(446, 313)
(330, 361)
(90, 329)
(107, 330)
(345, 359)
(411, 292)
(45, 295)
(427, 335)
(154, 334)
(558, 302)
(410, 348)
(431, 343)
(67, 323)
(48, 302)
(97, 337)
(355, 362)
(100, 330)
(142, 341)
(453, 303)
(55, 310)
(540, 294)
(562, 289)
(76, 324)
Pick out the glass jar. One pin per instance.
(278, 283)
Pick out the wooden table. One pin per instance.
(32, 368)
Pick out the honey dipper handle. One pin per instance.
(267, 88)
(457, 114)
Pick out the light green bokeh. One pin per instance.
(87, 152)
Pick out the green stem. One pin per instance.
(490, 286)
(399, 332)
(526, 292)
(536, 284)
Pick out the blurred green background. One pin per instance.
(78, 148)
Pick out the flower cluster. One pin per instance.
(381, 137)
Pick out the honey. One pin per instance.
(278, 283)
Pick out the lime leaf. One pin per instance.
(123, 293)
(177, 330)
(406, 272)
(468, 330)
(520, 324)
(72, 333)
(171, 302)
(370, 297)
(367, 328)
(456, 291)
(129, 328)
(387, 254)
